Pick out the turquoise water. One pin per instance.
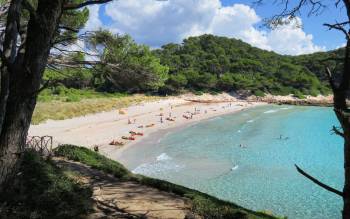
(260, 174)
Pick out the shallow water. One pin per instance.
(241, 158)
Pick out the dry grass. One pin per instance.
(59, 110)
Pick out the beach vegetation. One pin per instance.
(42, 190)
(72, 103)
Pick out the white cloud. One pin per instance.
(94, 22)
(159, 22)
(289, 39)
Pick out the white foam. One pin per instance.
(239, 131)
(271, 111)
(285, 108)
(163, 165)
(234, 167)
(163, 157)
(250, 121)
(157, 168)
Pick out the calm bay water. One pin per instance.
(259, 174)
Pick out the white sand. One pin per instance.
(101, 128)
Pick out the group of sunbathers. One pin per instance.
(129, 138)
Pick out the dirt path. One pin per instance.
(126, 199)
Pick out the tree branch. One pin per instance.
(336, 131)
(338, 26)
(330, 79)
(69, 29)
(328, 188)
(86, 3)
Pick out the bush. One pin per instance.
(299, 95)
(43, 191)
(259, 93)
(92, 159)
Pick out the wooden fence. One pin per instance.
(41, 144)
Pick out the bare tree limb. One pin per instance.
(65, 51)
(328, 188)
(330, 79)
(69, 29)
(338, 26)
(336, 131)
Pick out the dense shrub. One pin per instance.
(41, 190)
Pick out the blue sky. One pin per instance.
(313, 24)
(156, 23)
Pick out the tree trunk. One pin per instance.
(346, 190)
(25, 75)
(13, 136)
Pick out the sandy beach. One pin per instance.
(103, 128)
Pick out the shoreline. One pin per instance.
(323, 101)
(101, 128)
(155, 135)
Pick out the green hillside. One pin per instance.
(205, 63)
(210, 62)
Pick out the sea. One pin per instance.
(249, 158)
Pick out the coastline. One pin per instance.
(157, 134)
(101, 128)
(326, 101)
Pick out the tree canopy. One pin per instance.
(125, 65)
(210, 62)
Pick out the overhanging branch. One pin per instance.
(339, 26)
(317, 182)
(68, 29)
(86, 3)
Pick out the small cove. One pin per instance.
(248, 158)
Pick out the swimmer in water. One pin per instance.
(242, 146)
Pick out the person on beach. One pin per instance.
(161, 119)
(129, 121)
(96, 148)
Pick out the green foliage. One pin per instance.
(131, 67)
(203, 204)
(73, 21)
(210, 63)
(259, 93)
(92, 159)
(62, 93)
(79, 78)
(43, 191)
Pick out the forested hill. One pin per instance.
(205, 63)
(217, 63)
